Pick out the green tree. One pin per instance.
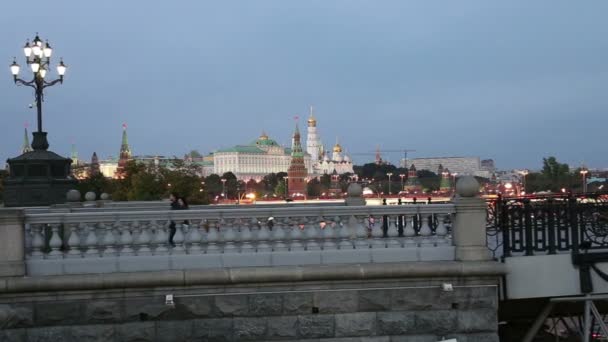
(429, 180)
(553, 169)
(213, 185)
(98, 183)
(195, 154)
(313, 188)
(280, 189)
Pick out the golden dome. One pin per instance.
(263, 136)
(338, 148)
(312, 122)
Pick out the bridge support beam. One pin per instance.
(11, 243)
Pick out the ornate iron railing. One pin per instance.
(547, 225)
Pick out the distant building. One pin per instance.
(108, 167)
(255, 160)
(488, 165)
(458, 165)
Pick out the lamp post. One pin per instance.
(224, 187)
(454, 175)
(584, 172)
(389, 174)
(38, 57)
(39, 177)
(402, 177)
(285, 180)
(524, 173)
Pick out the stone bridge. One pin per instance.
(419, 272)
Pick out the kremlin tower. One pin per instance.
(74, 155)
(444, 185)
(297, 170)
(26, 143)
(412, 185)
(94, 167)
(125, 153)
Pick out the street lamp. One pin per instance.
(525, 173)
(389, 174)
(41, 177)
(224, 187)
(38, 57)
(402, 176)
(584, 172)
(285, 180)
(454, 175)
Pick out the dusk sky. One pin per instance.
(510, 80)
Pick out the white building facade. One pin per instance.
(459, 165)
(256, 160)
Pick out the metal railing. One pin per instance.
(547, 225)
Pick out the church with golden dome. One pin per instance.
(323, 162)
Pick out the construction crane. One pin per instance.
(378, 152)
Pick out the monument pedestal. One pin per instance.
(39, 177)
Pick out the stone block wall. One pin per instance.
(374, 311)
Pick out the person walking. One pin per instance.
(174, 199)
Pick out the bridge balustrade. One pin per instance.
(126, 241)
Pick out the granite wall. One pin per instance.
(396, 310)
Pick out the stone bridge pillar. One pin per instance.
(469, 229)
(11, 243)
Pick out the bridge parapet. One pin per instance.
(128, 241)
(58, 242)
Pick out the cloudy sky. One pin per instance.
(512, 80)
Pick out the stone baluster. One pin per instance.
(295, 235)
(329, 234)
(161, 240)
(91, 242)
(361, 225)
(55, 242)
(377, 236)
(409, 233)
(441, 231)
(344, 232)
(194, 237)
(37, 241)
(263, 236)
(425, 232)
(108, 241)
(212, 240)
(126, 238)
(311, 234)
(246, 236)
(143, 239)
(393, 234)
(178, 239)
(74, 241)
(230, 238)
(278, 236)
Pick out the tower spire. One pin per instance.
(125, 152)
(74, 154)
(26, 147)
